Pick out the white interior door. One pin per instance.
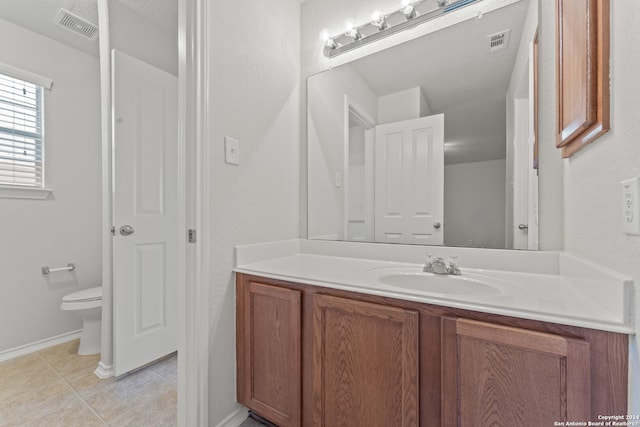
(145, 193)
(409, 181)
(525, 177)
(520, 174)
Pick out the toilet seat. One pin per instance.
(82, 299)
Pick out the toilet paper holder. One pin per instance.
(70, 267)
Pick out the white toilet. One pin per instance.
(88, 304)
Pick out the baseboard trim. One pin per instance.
(12, 353)
(235, 418)
(104, 371)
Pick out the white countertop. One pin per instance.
(551, 287)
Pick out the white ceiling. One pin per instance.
(458, 76)
(38, 15)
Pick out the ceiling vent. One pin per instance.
(72, 22)
(498, 41)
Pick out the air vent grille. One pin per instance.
(72, 22)
(498, 41)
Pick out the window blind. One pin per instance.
(21, 133)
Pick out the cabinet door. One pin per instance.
(582, 43)
(268, 351)
(497, 375)
(365, 364)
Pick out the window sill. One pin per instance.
(8, 192)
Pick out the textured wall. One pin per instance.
(66, 227)
(474, 212)
(142, 38)
(254, 95)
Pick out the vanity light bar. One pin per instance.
(408, 16)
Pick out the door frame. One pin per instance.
(351, 106)
(193, 296)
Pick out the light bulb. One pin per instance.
(327, 40)
(352, 31)
(408, 9)
(379, 21)
(348, 25)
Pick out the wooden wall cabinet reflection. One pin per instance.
(582, 47)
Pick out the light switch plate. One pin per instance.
(231, 151)
(631, 206)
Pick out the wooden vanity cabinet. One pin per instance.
(268, 351)
(499, 375)
(313, 356)
(364, 364)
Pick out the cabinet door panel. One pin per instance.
(498, 375)
(576, 68)
(269, 379)
(582, 74)
(365, 364)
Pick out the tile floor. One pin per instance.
(250, 422)
(256, 421)
(56, 387)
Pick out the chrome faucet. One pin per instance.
(439, 266)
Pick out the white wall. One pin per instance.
(474, 204)
(358, 209)
(254, 95)
(66, 227)
(142, 38)
(592, 192)
(404, 105)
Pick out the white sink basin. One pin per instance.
(414, 279)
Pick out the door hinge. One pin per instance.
(192, 235)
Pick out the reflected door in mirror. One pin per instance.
(409, 187)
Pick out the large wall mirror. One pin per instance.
(431, 141)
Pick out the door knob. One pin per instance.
(436, 225)
(126, 230)
(523, 227)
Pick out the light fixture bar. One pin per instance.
(371, 32)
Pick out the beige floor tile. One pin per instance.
(61, 351)
(77, 415)
(12, 371)
(167, 368)
(56, 387)
(23, 376)
(115, 398)
(158, 412)
(82, 381)
(36, 402)
(65, 360)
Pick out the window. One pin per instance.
(21, 133)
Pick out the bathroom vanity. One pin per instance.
(328, 339)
